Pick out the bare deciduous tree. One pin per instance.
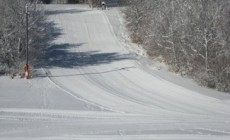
(13, 30)
(190, 35)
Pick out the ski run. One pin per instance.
(94, 87)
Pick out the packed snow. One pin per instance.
(92, 86)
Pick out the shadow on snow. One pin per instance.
(62, 55)
(68, 11)
(66, 55)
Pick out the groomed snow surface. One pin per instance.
(92, 87)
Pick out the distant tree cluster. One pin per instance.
(192, 36)
(13, 34)
(46, 1)
(94, 3)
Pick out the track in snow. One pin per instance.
(89, 64)
(89, 61)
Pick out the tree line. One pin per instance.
(13, 34)
(192, 36)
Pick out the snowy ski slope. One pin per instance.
(93, 88)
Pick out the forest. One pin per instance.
(13, 31)
(191, 36)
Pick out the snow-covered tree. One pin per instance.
(190, 35)
(13, 31)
